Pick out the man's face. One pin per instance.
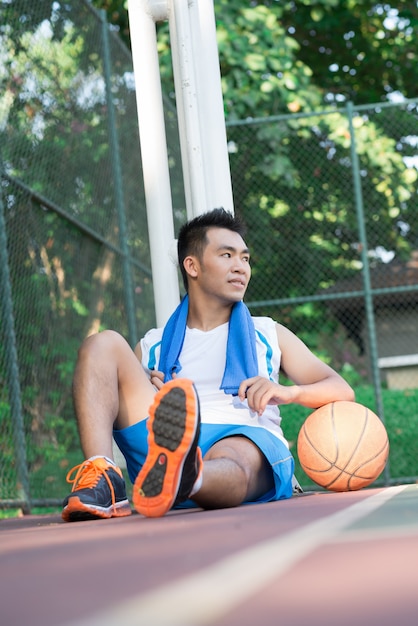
(224, 270)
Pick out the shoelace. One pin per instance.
(87, 476)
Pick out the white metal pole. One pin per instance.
(184, 64)
(211, 107)
(181, 119)
(142, 18)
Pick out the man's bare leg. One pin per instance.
(234, 470)
(110, 388)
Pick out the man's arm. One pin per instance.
(315, 383)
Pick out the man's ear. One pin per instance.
(191, 264)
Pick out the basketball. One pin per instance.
(343, 446)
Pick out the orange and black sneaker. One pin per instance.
(98, 492)
(174, 462)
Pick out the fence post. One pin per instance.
(12, 368)
(368, 298)
(117, 176)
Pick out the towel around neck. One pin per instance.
(241, 353)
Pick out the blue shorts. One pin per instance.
(132, 442)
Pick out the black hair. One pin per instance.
(192, 237)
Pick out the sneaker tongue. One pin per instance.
(90, 472)
(103, 463)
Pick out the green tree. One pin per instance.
(292, 179)
(361, 51)
(298, 53)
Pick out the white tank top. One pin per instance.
(202, 360)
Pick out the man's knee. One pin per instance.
(106, 340)
(235, 450)
(250, 464)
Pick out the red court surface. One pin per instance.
(319, 559)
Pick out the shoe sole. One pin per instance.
(172, 429)
(76, 510)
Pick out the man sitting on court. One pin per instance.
(194, 409)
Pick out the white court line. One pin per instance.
(202, 597)
(378, 534)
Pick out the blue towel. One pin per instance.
(241, 354)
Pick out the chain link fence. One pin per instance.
(74, 236)
(330, 201)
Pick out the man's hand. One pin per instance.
(157, 379)
(261, 392)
